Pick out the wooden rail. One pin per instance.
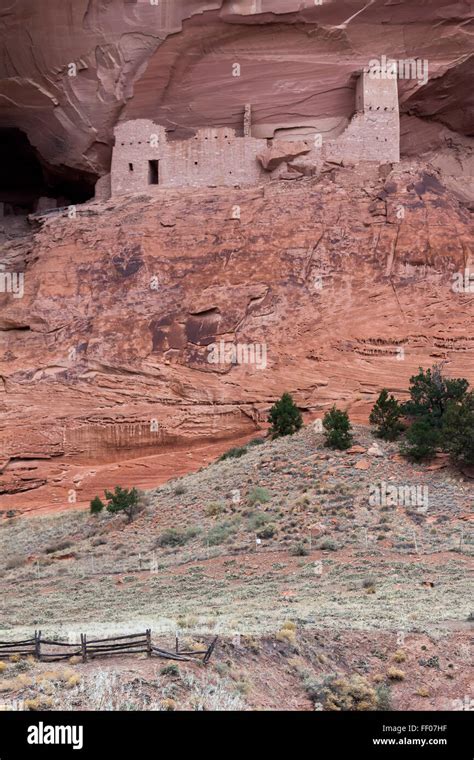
(133, 643)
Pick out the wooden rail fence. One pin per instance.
(46, 650)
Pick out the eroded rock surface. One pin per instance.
(340, 286)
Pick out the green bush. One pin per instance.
(337, 429)
(170, 670)
(458, 430)
(385, 415)
(221, 533)
(239, 451)
(96, 506)
(123, 500)
(234, 453)
(258, 495)
(430, 393)
(284, 417)
(256, 442)
(421, 441)
(257, 520)
(299, 550)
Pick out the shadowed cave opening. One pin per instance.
(29, 184)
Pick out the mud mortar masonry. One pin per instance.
(144, 156)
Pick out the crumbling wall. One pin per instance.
(374, 131)
(144, 157)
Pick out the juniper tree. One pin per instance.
(430, 393)
(96, 505)
(285, 417)
(421, 440)
(385, 415)
(337, 429)
(123, 500)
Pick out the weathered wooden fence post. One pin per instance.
(38, 645)
(148, 641)
(84, 647)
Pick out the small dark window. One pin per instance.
(153, 172)
(130, 167)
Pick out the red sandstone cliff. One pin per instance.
(347, 280)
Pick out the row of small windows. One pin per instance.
(196, 138)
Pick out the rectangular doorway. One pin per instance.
(153, 172)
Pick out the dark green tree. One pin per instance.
(96, 506)
(421, 440)
(430, 393)
(458, 430)
(285, 417)
(337, 429)
(123, 500)
(385, 415)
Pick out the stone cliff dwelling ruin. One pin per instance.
(145, 157)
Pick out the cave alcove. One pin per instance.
(25, 178)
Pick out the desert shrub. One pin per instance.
(337, 429)
(395, 674)
(299, 550)
(284, 417)
(385, 415)
(96, 506)
(238, 451)
(58, 546)
(399, 656)
(328, 545)
(422, 691)
(257, 520)
(267, 532)
(421, 441)
(221, 533)
(258, 495)
(170, 670)
(337, 693)
(286, 635)
(384, 697)
(213, 510)
(173, 537)
(235, 453)
(180, 490)
(369, 582)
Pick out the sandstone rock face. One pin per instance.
(281, 151)
(153, 331)
(70, 69)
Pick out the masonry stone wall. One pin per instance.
(144, 156)
(373, 133)
(211, 157)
